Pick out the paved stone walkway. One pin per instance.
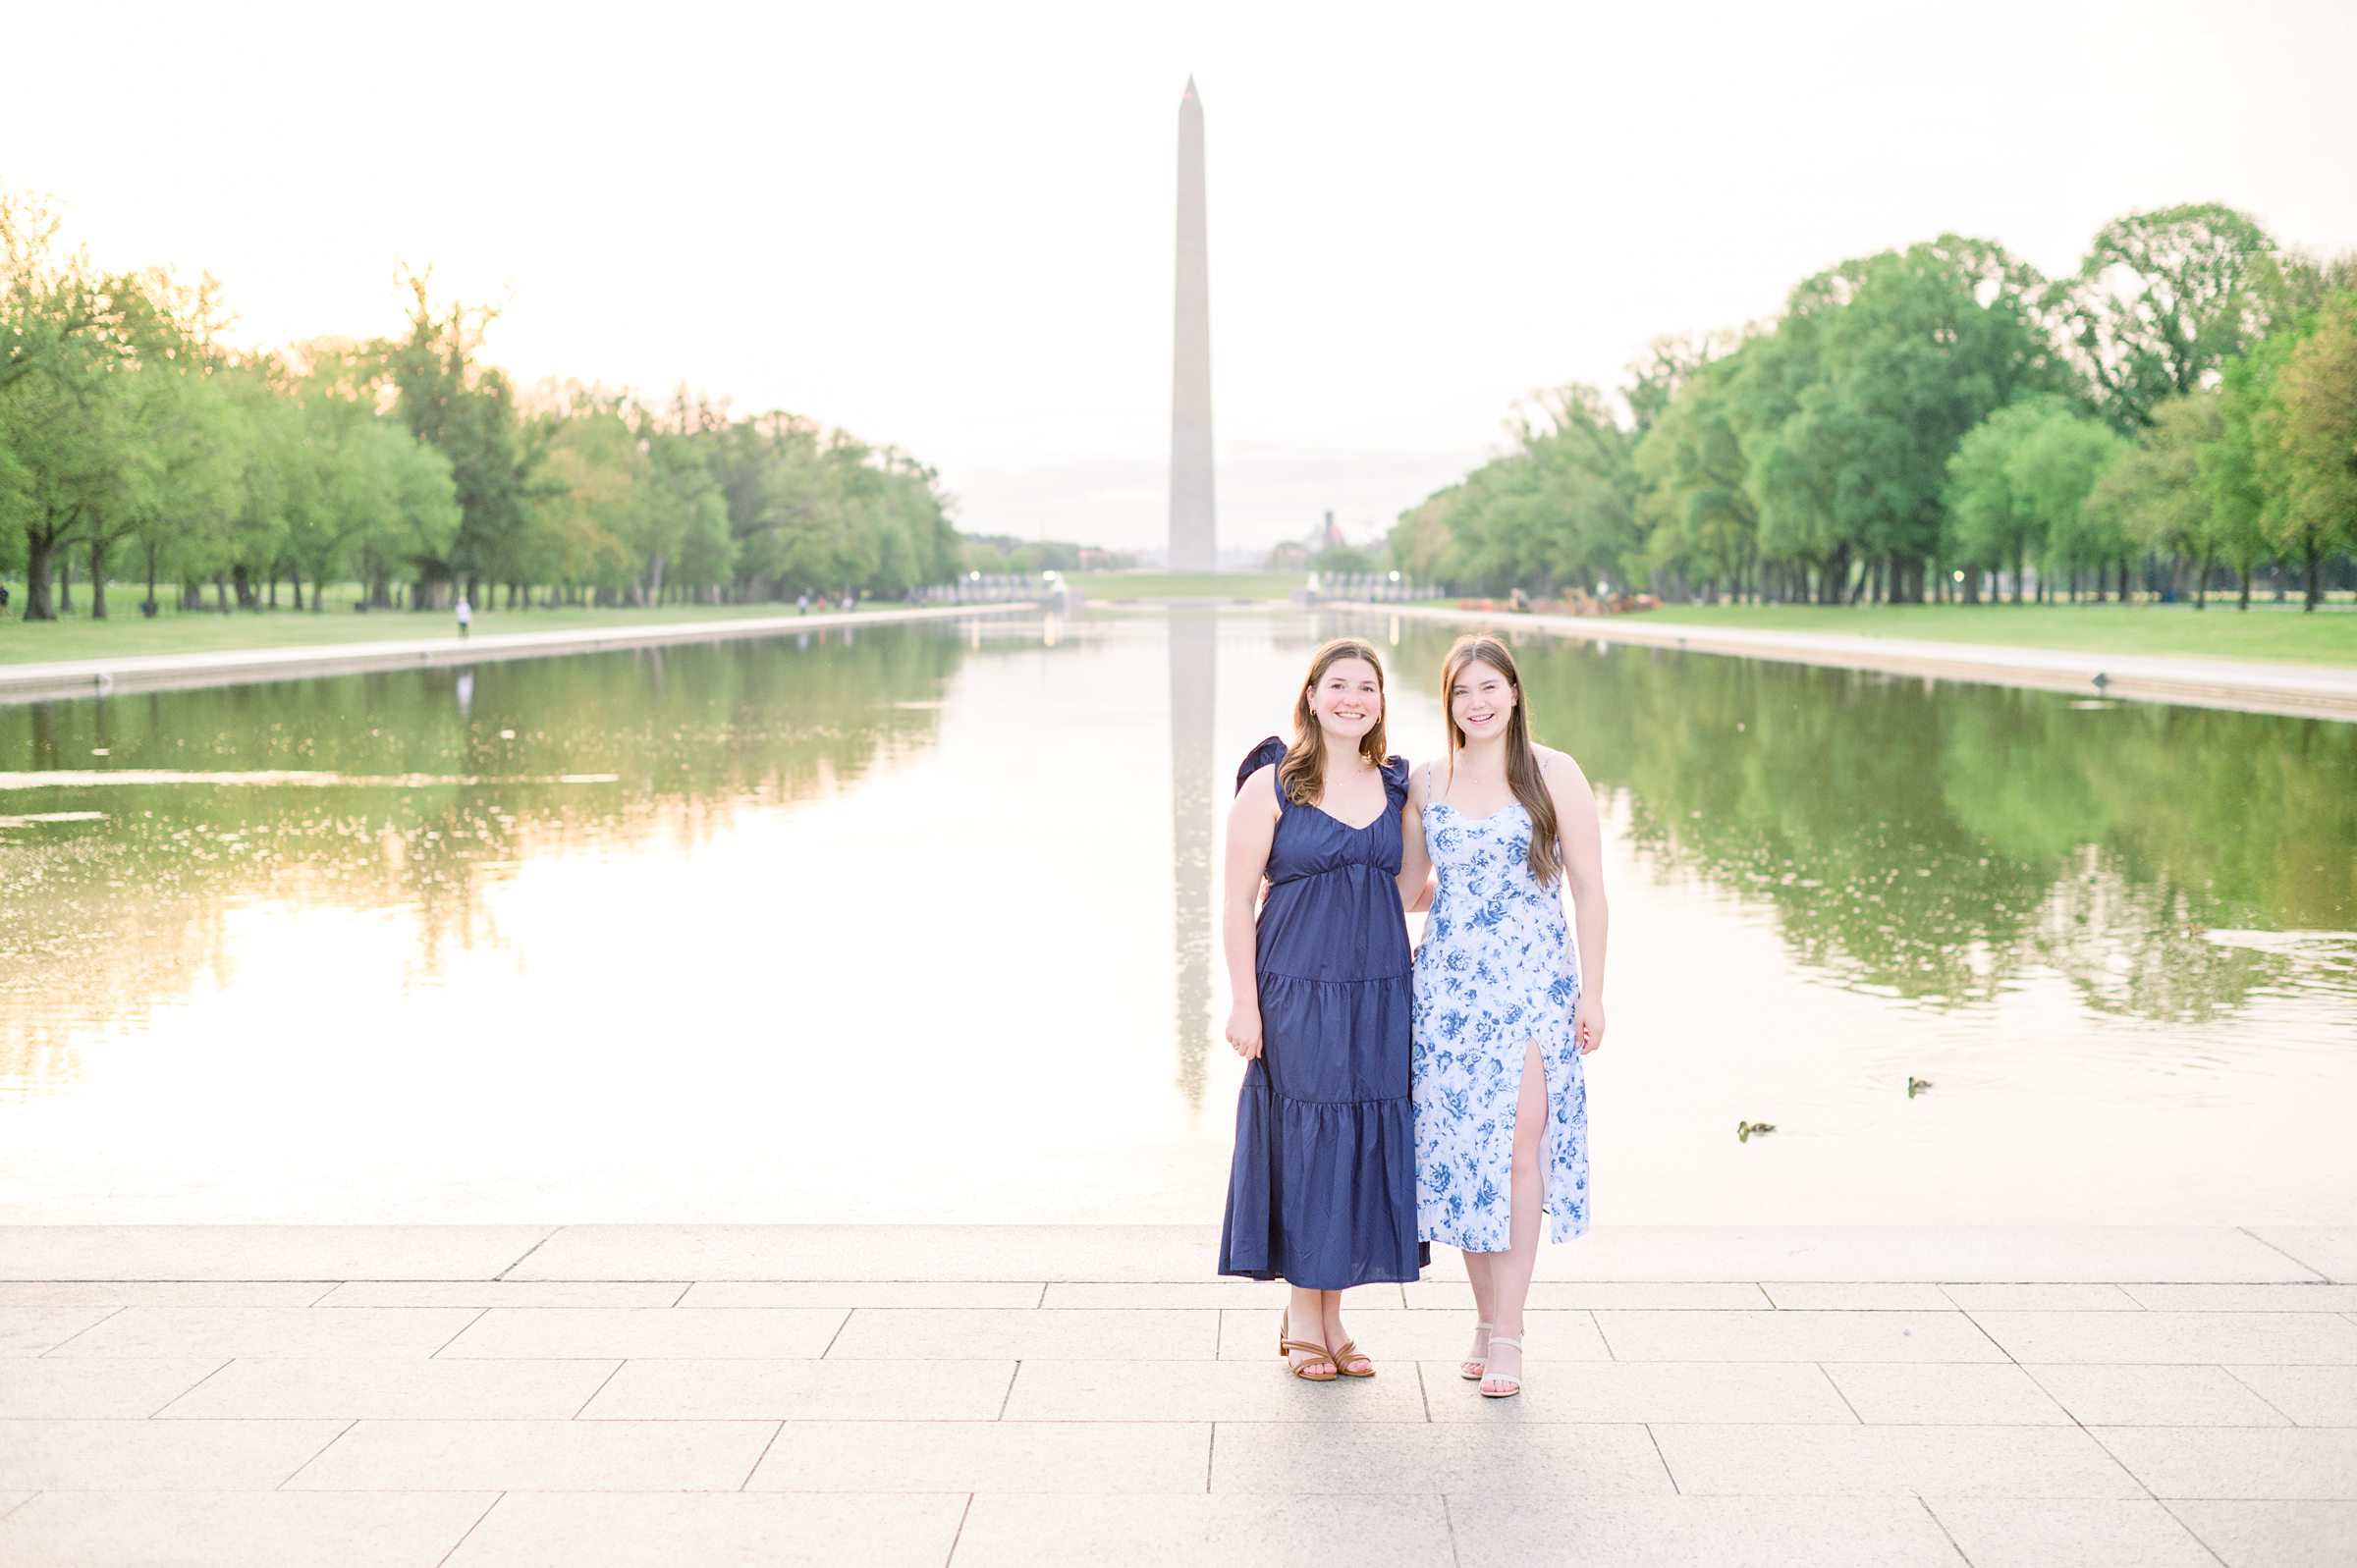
(2307, 691)
(923, 1396)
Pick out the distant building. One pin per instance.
(1301, 552)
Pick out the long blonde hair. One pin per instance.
(1302, 773)
(1521, 760)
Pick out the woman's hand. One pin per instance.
(1243, 1030)
(1587, 1024)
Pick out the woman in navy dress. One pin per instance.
(1322, 1193)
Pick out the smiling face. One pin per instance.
(1347, 700)
(1481, 701)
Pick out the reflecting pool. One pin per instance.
(917, 924)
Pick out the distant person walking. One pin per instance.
(1502, 1012)
(466, 615)
(1322, 1190)
(3, 601)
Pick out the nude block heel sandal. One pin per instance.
(1477, 1362)
(1485, 1392)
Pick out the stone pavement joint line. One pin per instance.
(486, 1397)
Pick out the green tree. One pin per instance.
(119, 421)
(2052, 472)
(114, 499)
(1562, 509)
(1694, 505)
(1420, 544)
(772, 480)
(423, 524)
(586, 529)
(2229, 467)
(2294, 285)
(275, 463)
(1991, 527)
(2308, 454)
(2017, 488)
(2154, 495)
(688, 513)
(1879, 368)
(199, 437)
(466, 412)
(2164, 300)
(1669, 364)
(69, 331)
(354, 475)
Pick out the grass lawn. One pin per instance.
(2267, 631)
(1111, 585)
(125, 634)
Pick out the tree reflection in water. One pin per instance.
(113, 896)
(1938, 842)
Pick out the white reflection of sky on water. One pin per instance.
(944, 989)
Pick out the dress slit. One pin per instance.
(1494, 970)
(1513, 1123)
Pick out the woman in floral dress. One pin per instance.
(1504, 1006)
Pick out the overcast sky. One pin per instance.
(949, 227)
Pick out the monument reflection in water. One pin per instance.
(891, 929)
(1194, 678)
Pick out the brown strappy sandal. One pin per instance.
(1349, 1353)
(1319, 1355)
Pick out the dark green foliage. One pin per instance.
(2162, 301)
(1920, 419)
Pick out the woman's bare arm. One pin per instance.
(1581, 838)
(1251, 830)
(1415, 861)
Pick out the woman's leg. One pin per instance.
(1485, 1308)
(1305, 1321)
(1335, 1336)
(1485, 1286)
(1510, 1269)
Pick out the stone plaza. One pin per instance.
(915, 1395)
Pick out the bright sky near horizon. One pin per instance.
(948, 226)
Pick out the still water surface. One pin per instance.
(917, 925)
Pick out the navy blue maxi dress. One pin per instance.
(1323, 1188)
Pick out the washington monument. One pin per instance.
(1194, 544)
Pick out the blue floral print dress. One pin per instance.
(1493, 973)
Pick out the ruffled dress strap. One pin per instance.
(1267, 754)
(1395, 780)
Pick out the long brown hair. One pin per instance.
(1521, 761)
(1302, 773)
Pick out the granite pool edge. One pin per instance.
(84, 677)
(2300, 691)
